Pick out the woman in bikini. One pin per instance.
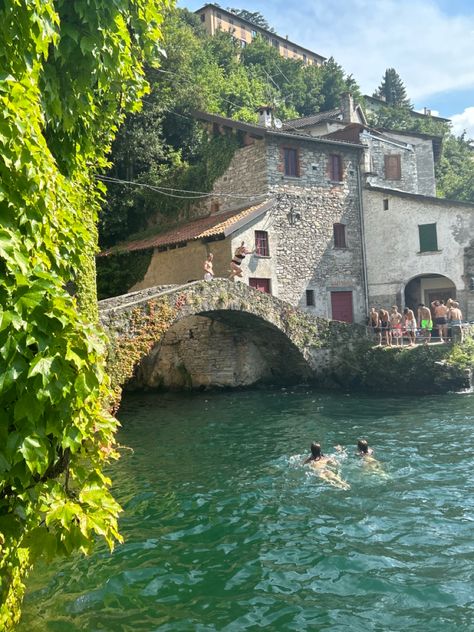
(239, 256)
(321, 463)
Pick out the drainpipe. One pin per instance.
(362, 241)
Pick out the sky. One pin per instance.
(430, 43)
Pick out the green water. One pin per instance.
(225, 530)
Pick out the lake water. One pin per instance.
(226, 530)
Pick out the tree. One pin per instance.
(69, 72)
(392, 90)
(252, 16)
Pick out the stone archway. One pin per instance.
(220, 349)
(426, 288)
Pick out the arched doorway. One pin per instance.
(427, 288)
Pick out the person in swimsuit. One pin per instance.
(369, 460)
(426, 324)
(239, 256)
(455, 318)
(396, 324)
(385, 326)
(374, 324)
(320, 462)
(409, 323)
(208, 269)
(441, 319)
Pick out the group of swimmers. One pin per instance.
(327, 466)
(392, 326)
(235, 265)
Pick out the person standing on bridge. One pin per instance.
(208, 269)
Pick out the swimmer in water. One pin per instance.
(320, 462)
(369, 460)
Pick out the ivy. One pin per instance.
(69, 71)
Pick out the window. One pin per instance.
(275, 43)
(262, 285)
(310, 298)
(203, 17)
(291, 162)
(385, 205)
(254, 33)
(215, 206)
(428, 237)
(335, 168)
(243, 43)
(219, 16)
(393, 169)
(339, 231)
(305, 59)
(261, 243)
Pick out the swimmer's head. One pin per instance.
(363, 446)
(316, 449)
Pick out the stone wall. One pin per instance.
(245, 176)
(302, 223)
(378, 149)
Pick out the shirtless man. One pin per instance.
(441, 319)
(409, 323)
(396, 324)
(319, 462)
(455, 317)
(208, 269)
(385, 326)
(363, 448)
(426, 324)
(374, 324)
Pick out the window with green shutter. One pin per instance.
(428, 237)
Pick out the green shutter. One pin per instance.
(428, 237)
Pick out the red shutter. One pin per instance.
(335, 168)
(341, 304)
(261, 243)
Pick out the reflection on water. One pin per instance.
(225, 530)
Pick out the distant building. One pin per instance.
(375, 104)
(215, 19)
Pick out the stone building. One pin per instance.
(214, 18)
(340, 216)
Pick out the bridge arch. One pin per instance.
(217, 333)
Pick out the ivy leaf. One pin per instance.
(35, 453)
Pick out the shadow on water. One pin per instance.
(225, 530)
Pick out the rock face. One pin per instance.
(225, 334)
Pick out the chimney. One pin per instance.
(265, 115)
(347, 106)
(427, 112)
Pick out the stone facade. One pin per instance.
(391, 269)
(245, 180)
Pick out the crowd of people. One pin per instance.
(390, 328)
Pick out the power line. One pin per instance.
(171, 191)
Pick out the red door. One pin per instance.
(341, 304)
(262, 285)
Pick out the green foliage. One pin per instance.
(392, 90)
(68, 73)
(117, 274)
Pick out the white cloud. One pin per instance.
(464, 122)
(432, 51)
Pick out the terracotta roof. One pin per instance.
(312, 120)
(217, 224)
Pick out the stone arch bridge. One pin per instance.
(221, 334)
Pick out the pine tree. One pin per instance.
(392, 90)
